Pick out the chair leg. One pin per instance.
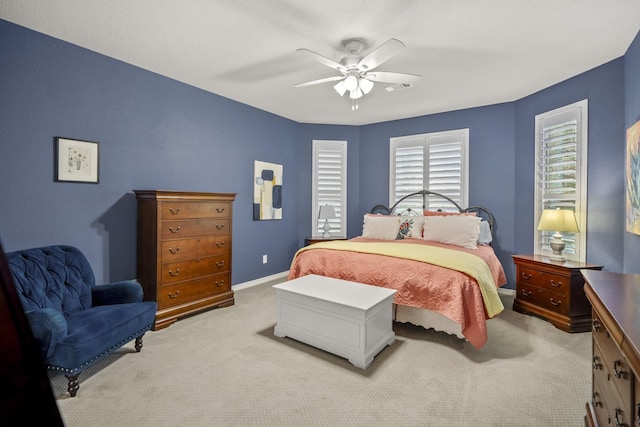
(74, 384)
(139, 343)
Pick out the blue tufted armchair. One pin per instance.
(74, 321)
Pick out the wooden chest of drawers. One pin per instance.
(553, 291)
(184, 251)
(615, 397)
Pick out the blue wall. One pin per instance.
(156, 133)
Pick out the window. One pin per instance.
(330, 185)
(432, 161)
(561, 174)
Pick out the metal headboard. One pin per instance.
(480, 211)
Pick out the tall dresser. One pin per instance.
(184, 251)
(615, 394)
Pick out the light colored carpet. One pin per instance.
(226, 368)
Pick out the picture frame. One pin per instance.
(76, 160)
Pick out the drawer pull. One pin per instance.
(618, 373)
(219, 226)
(219, 210)
(618, 422)
(220, 283)
(554, 284)
(220, 264)
(554, 302)
(174, 231)
(594, 400)
(596, 364)
(219, 244)
(526, 276)
(596, 325)
(526, 293)
(638, 412)
(174, 273)
(174, 251)
(174, 211)
(174, 296)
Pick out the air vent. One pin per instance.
(400, 86)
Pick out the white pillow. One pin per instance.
(411, 227)
(381, 227)
(485, 237)
(460, 230)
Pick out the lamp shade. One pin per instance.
(558, 220)
(326, 212)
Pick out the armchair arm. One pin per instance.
(117, 293)
(49, 328)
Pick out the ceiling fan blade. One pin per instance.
(389, 77)
(322, 59)
(383, 52)
(320, 81)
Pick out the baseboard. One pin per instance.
(506, 291)
(261, 280)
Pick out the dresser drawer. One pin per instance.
(185, 270)
(193, 227)
(542, 279)
(184, 210)
(183, 249)
(192, 290)
(541, 297)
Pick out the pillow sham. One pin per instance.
(459, 230)
(410, 227)
(381, 227)
(442, 213)
(485, 237)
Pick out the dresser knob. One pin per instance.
(174, 296)
(174, 231)
(220, 263)
(174, 251)
(618, 422)
(554, 302)
(220, 210)
(526, 293)
(219, 244)
(554, 284)
(174, 211)
(174, 273)
(219, 226)
(596, 325)
(527, 276)
(594, 400)
(220, 283)
(596, 365)
(619, 373)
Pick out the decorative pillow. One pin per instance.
(460, 230)
(442, 213)
(411, 227)
(381, 227)
(485, 237)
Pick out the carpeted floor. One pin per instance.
(226, 368)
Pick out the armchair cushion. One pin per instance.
(117, 293)
(49, 328)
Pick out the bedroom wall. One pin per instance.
(604, 88)
(491, 168)
(154, 133)
(632, 115)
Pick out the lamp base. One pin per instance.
(326, 228)
(557, 246)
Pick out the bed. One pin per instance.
(441, 264)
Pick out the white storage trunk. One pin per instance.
(349, 319)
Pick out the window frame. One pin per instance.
(425, 140)
(341, 206)
(580, 111)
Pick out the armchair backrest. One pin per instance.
(57, 277)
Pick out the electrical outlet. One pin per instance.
(264, 259)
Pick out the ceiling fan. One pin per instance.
(357, 76)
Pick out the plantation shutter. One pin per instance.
(435, 162)
(330, 166)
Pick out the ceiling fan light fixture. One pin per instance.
(351, 82)
(365, 85)
(340, 88)
(356, 94)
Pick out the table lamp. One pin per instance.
(558, 220)
(326, 212)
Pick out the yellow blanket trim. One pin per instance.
(460, 261)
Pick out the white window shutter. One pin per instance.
(330, 184)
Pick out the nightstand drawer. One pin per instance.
(542, 279)
(544, 298)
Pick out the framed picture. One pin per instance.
(632, 178)
(76, 161)
(267, 191)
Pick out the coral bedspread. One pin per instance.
(451, 293)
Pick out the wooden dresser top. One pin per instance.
(619, 295)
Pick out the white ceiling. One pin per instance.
(469, 52)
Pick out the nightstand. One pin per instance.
(316, 239)
(553, 291)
